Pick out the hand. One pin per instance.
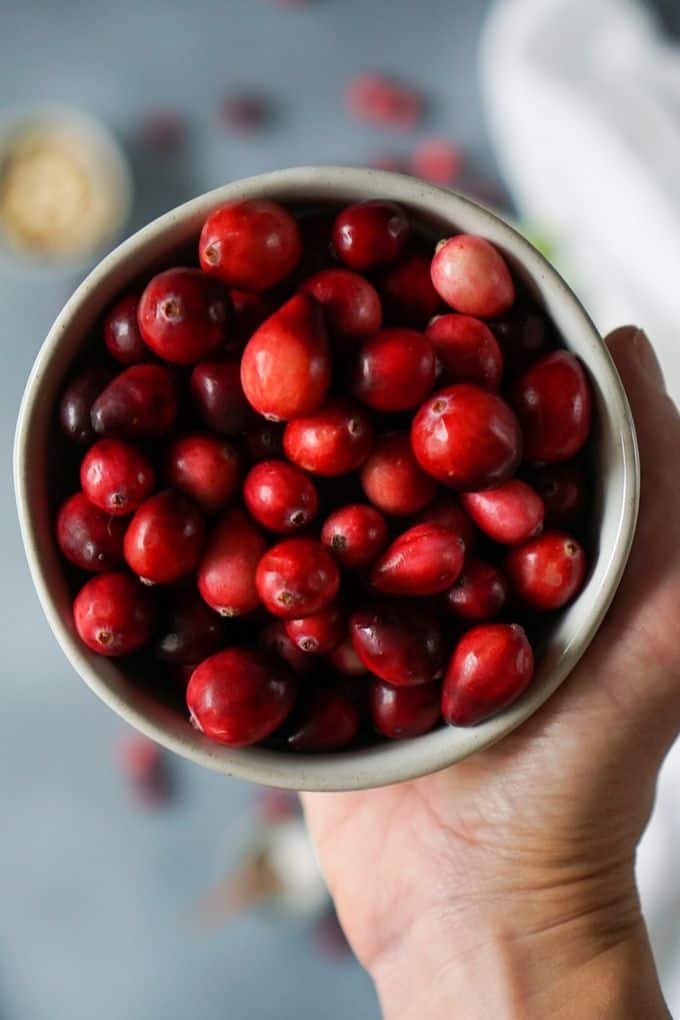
(505, 886)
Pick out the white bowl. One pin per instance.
(616, 480)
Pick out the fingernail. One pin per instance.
(647, 359)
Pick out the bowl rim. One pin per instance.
(385, 763)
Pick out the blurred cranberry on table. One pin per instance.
(376, 98)
(144, 764)
(437, 160)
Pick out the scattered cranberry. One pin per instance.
(319, 633)
(280, 496)
(562, 487)
(88, 537)
(402, 713)
(548, 571)
(226, 573)
(165, 130)
(121, 332)
(116, 476)
(275, 806)
(552, 400)
(437, 160)
(142, 762)
(377, 98)
(492, 665)
(189, 631)
(114, 614)
(407, 294)
(447, 511)
(206, 468)
(297, 577)
(480, 593)
(401, 645)
(424, 560)
(523, 336)
(394, 370)
(77, 399)
(334, 441)
(351, 304)
(326, 721)
(183, 315)
(165, 538)
(466, 350)
(472, 277)
(355, 534)
(245, 112)
(388, 161)
(240, 696)
(369, 234)
(274, 639)
(264, 440)
(345, 660)
(510, 514)
(219, 398)
(392, 479)
(140, 403)
(250, 245)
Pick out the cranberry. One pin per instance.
(480, 593)
(164, 130)
(394, 370)
(392, 479)
(562, 487)
(245, 112)
(407, 294)
(77, 399)
(140, 403)
(121, 332)
(286, 366)
(219, 398)
(334, 441)
(369, 234)
(398, 644)
(351, 304)
(355, 534)
(142, 763)
(401, 713)
(183, 315)
(523, 335)
(88, 537)
(279, 496)
(264, 440)
(374, 97)
(447, 511)
(552, 400)
(116, 476)
(190, 631)
(250, 245)
(274, 639)
(472, 277)
(164, 539)
(226, 573)
(206, 468)
(548, 571)
(345, 659)
(424, 560)
(297, 577)
(467, 438)
(325, 721)
(510, 514)
(113, 614)
(389, 161)
(250, 311)
(437, 160)
(319, 633)
(240, 696)
(466, 350)
(491, 666)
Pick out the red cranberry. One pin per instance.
(88, 537)
(389, 161)
(190, 631)
(424, 560)
(286, 366)
(562, 487)
(274, 639)
(394, 370)
(206, 468)
(325, 721)
(240, 696)
(264, 440)
(401, 713)
(250, 311)
(345, 660)
(548, 571)
(408, 297)
(351, 304)
(492, 665)
(437, 160)
(374, 97)
(279, 496)
(250, 245)
(334, 441)
(121, 332)
(467, 438)
(219, 398)
(183, 315)
(392, 478)
(140, 403)
(522, 335)
(355, 534)
(368, 234)
(116, 476)
(552, 400)
(398, 644)
(113, 614)
(447, 511)
(510, 514)
(319, 633)
(297, 577)
(466, 350)
(472, 277)
(164, 130)
(165, 538)
(245, 112)
(226, 573)
(77, 399)
(480, 593)
(142, 763)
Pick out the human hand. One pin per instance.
(505, 886)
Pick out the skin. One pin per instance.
(505, 887)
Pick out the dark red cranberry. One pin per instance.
(553, 402)
(250, 245)
(226, 573)
(206, 468)
(374, 97)
(140, 403)
(480, 593)
(355, 534)
(510, 514)
(492, 665)
(240, 696)
(334, 441)
(472, 277)
(425, 560)
(116, 476)
(121, 332)
(466, 350)
(562, 487)
(274, 639)
(369, 234)
(437, 160)
(447, 511)
(164, 130)
(88, 537)
(279, 496)
(319, 633)
(401, 713)
(77, 399)
(345, 660)
(264, 440)
(297, 577)
(392, 479)
(190, 631)
(325, 721)
(286, 366)
(142, 763)
(165, 538)
(351, 304)
(523, 335)
(218, 397)
(467, 438)
(183, 315)
(114, 614)
(407, 294)
(548, 571)
(245, 112)
(394, 370)
(399, 644)
(250, 311)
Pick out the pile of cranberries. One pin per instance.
(330, 475)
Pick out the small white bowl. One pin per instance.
(616, 479)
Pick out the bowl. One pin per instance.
(616, 479)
